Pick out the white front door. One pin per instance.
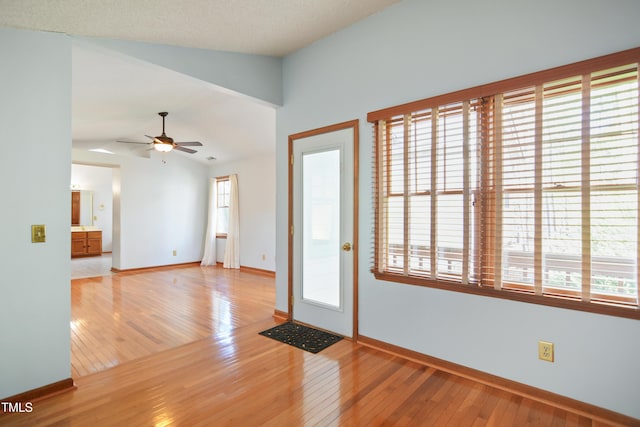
(323, 231)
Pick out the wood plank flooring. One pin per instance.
(125, 316)
(180, 346)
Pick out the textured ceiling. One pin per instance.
(115, 97)
(266, 27)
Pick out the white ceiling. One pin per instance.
(118, 97)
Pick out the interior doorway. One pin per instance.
(100, 187)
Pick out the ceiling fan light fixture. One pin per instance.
(163, 148)
(164, 143)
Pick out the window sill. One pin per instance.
(521, 296)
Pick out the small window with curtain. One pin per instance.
(523, 189)
(223, 194)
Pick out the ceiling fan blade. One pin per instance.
(189, 144)
(133, 142)
(155, 140)
(186, 150)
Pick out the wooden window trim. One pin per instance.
(490, 89)
(527, 296)
(562, 298)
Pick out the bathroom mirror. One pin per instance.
(81, 207)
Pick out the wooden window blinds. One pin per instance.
(525, 188)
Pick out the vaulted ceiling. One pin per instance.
(115, 97)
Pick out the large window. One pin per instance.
(525, 188)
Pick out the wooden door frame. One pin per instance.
(355, 125)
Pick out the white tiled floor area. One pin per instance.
(91, 266)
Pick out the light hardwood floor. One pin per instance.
(126, 316)
(180, 346)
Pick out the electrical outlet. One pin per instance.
(545, 351)
(264, 257)
(175, 252)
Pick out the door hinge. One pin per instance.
(292, 230)
(291, 160)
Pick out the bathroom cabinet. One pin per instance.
(86, 243)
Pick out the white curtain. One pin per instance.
(209, 257)
(232, 250)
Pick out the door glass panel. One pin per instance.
(321, 227)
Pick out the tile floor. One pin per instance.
(91, 266)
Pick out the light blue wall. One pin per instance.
(35, 168)
(381, 61)
(257, 76)
(421, 48)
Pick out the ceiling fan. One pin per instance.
(165, 143)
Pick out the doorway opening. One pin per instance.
(97, 218)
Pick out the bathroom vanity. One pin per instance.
(85, 242)
(86, 239)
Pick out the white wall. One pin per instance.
(35, 127)
(257, 194)
(159, 207)
(99, 180)
(421, 48)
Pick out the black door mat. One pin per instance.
(303, 337)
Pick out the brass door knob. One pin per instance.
(346, 247)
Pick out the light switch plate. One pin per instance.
(38, 233)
